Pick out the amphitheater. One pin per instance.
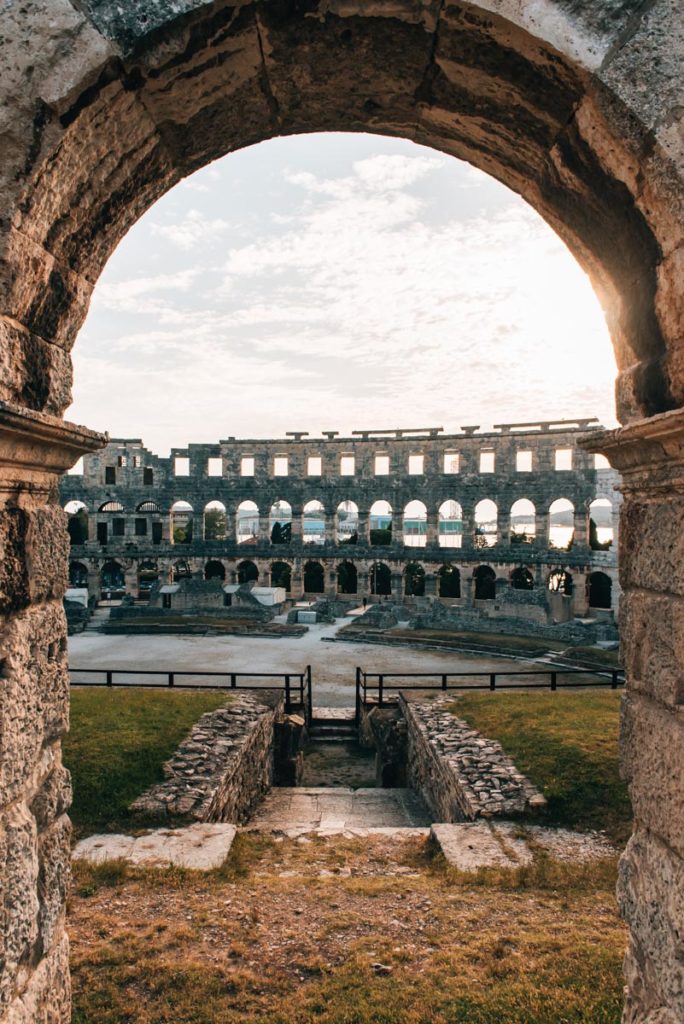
(575, 104)
(400, 513)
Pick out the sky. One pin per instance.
(338, 282)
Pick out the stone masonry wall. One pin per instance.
(461, 774)
(222, 770)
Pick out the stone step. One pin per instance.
(470, 846)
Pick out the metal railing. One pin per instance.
(296, 686)
(491, 681)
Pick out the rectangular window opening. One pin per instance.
(416, 465)
(382, 465)
(215, 466)
(452, 462)
(523, 462)
(181, 465)
(247, 465)
(563, 458)
(118, 527)
(314, 465)
(280, 465)
(486, 462)
(347, 465)
(121, 460)
(141, 527)
(148, 476)
(110, 474)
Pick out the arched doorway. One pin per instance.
(347, 578)
(449, 581)
(380, 580)
(522, 579)
(485, 583)
(560, 582)
(281, 575)
(247, 572)
(414, 580)
(314, 578)
(112, 581)
(579, 113)
(600, 590)
(78, 574)
(214, 570)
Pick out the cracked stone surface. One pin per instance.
(469, 846)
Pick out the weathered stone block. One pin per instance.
(652, 759)
(33, 372)
(18, 895)
(54, 877)
(53, 797)
(34, 693)
(652, 544)
(651, 895)
(46, 998)
(652, 645)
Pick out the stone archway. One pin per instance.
(577, 107)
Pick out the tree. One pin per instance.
(215, 524)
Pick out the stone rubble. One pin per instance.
(221, 771)
(461, 774)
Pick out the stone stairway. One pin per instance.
(97, 620)
(333, 725)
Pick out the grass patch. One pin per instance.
(276, 942)
(567, 744)
(118, 742)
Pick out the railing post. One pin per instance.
(233, 680)
(614, 679)
(109, 678)
(171, 678)
(492, 680)
(444, 682)
(310, 692)
(380, 689)
(287, 694)
(554, 684)
(358, 696)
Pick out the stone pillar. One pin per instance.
(363, 529)
(650, 456)
(432, 532)
(542, 531)
(430, 584)
(468, 590)
(468, 530)
(330, 527)
(397, 586)
(296, 526)
(362, 583)
(35, 791)
(580, 540)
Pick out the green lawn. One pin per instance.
(118, 742)
(567, 744)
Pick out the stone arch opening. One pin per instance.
(247, 572)
(78, 574)
(522, 579)
(215, 521)
(561, 524)
(450, 518)
(181, 570)
(313, 522)
(560, 582)
(486, 523)
(414, 580)
(280, 522)
(523, 522)
(112, 580)
(449, 581)
(601, 533)
(347, 522)
(314, 578)
(247, 522)
(414, 524)
(485, 583)
(347, 578)
(214, 570)
(380, 580)
(281, 575)
(108, 119)
(77, 523)
(182, 515)
(599, 590)
(380, 522)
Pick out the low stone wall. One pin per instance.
(384, 730)
(460, 774)
(224, 767)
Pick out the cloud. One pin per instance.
(355, 303)
(194, 230)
